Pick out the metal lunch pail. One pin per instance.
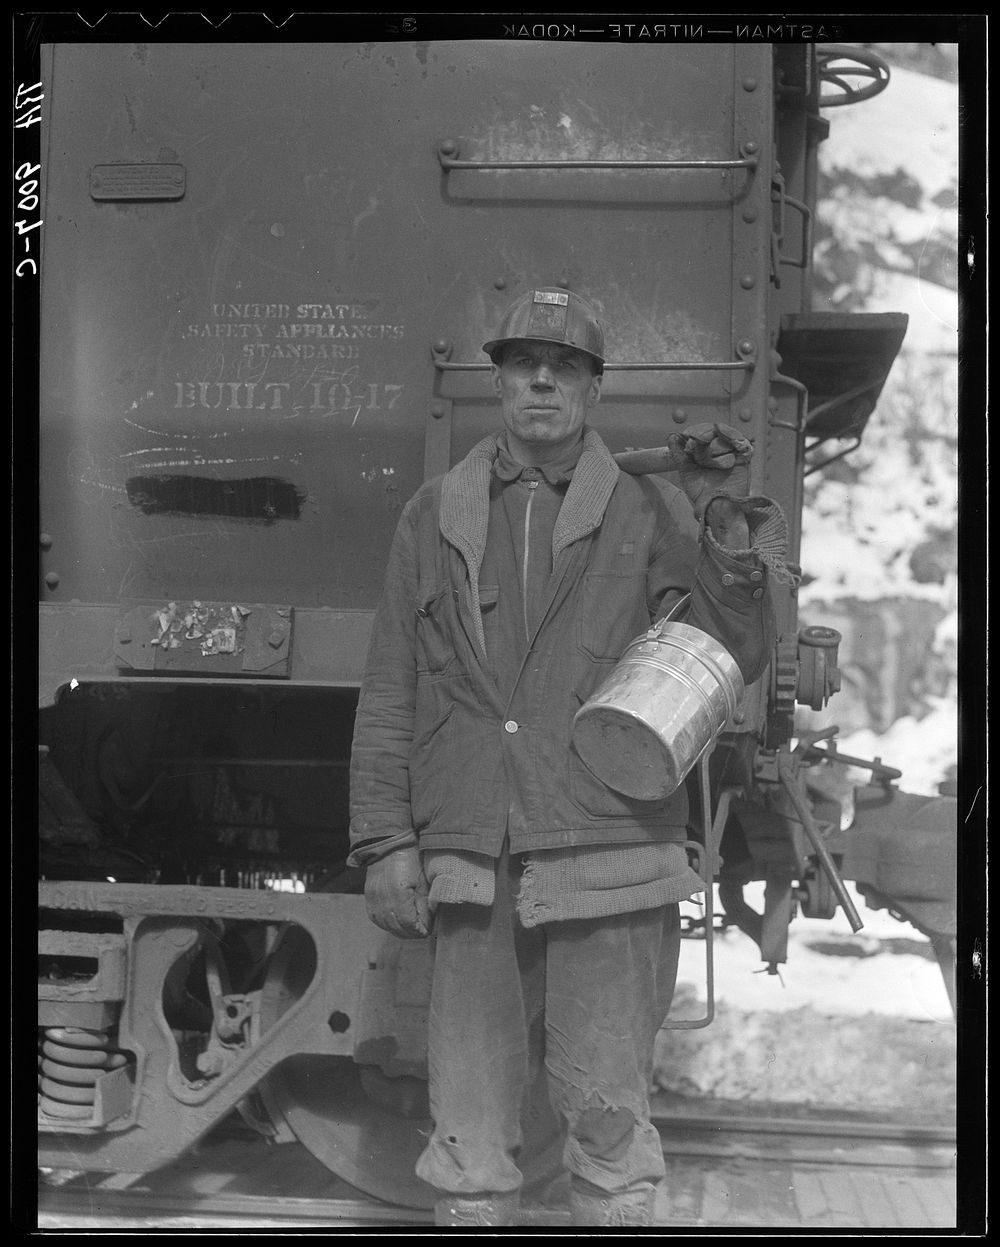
(663, 704)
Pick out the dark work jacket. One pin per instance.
(437, 749)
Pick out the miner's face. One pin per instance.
(546, 390)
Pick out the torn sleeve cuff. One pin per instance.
(375, 850)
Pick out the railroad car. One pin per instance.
(267, 273)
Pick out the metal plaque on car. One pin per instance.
(137, 181)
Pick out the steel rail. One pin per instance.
(61, 1208)
(834, 1145)
(152, 1208)
(875, 1130)
(829, 1144)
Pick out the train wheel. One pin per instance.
(366, 1128)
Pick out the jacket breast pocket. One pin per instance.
(612, 613)
(435, 647)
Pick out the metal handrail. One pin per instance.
(668, 366)
(447, 155)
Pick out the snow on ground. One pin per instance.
(860, 973)
(864, 978)
(925, 750)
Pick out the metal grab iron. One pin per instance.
(694, 365)
(448, 149)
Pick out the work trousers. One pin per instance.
(586, 997)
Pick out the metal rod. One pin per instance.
(832, 754)
(668, 366)
(698, 852)
(710, 868)
(841, 454)
(799, 206)
(822, 852)
(706, 862)
(449, 162)
(838, 401)
(801, 403)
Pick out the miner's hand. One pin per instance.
(396, 894)
(712, 459)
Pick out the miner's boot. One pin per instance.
(589, 1205)
(483, 1208)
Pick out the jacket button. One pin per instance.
(758, 575)
(422, 612)
(510, 726)
(758, 593)
(728, 578)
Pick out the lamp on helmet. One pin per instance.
(551, 315)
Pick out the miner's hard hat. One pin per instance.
(551, 315)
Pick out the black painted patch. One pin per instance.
(265, 498)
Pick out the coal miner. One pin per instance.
(514, 583)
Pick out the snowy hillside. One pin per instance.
(879, 548)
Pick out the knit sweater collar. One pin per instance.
(465, 498)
